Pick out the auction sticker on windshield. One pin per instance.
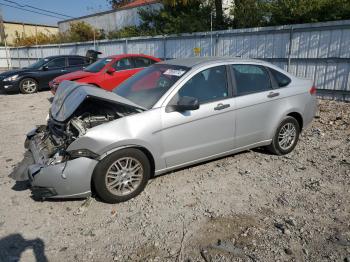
(173, 72)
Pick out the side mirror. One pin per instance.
(45, 68)
(111, 70)
(185, 103)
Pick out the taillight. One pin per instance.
(313, 90)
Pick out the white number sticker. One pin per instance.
(173, 72)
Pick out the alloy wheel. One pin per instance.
(124, 176)
(287, 136)
(29, 86)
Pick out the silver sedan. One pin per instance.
(171, 115)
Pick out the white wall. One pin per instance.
(110, 21)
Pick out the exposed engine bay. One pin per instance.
(91, 113)
(75, 109)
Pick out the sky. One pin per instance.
(73, 8)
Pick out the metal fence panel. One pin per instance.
(317, 51)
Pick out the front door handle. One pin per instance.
(221, 106)
(273, 94)
(63, 70)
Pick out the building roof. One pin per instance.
(137, 3)
(25, 23)
(133, 4)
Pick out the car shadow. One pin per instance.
(21, 186)
(12, 247)
(263, 150)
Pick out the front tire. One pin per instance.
(28, 86)
(286, 137)
(121, 175)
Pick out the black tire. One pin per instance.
(275, 146)
(100, 178)
(28, 86)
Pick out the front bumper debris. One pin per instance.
(68, 179)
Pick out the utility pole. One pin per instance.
(3, 39)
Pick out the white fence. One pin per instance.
(319, 51)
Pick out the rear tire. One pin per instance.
(28, 86)
(286, 137)
(121, 175)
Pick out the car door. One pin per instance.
(193, 135)
(52, 69)
(124, 68)
(255, 104)
(76, 64)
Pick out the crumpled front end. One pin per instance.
(52, 169)
(53, 176)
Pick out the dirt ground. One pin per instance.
(251, 206)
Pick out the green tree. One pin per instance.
(118, 3)
(307, 11)
(216, 5)
(194, 16)
(249, 13)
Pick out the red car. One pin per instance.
(108, 72)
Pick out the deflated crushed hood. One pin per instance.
(70, 95)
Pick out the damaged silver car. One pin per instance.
(170, 115)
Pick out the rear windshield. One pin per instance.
(98, 65)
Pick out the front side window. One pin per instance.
(208, 85)
(143, 62)
(98, 65)
(149, 85)
(57, 63)
(251, 79)
(123, 64)
(38, 64)
(282, 79)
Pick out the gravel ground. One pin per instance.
(251, 206)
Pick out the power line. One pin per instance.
(34, 7)
(20, 8)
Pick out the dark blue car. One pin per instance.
(37, 76)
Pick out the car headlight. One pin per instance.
(11, 78)
(82, 153)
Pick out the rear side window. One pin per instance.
(251, 79)
(76, 61)
(281, 79)
(123, 64)
(143, 62)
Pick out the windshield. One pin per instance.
(149, 85)
(98, 65)
(38, 63)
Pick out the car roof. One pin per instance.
(59, 56)
(196, 61)
(129, 55)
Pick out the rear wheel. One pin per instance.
(286, 137)
(28, 86)
(121, 175)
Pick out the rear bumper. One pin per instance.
(310, 111)
(53, 86)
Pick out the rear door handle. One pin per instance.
(221, 106)
(273, 94)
